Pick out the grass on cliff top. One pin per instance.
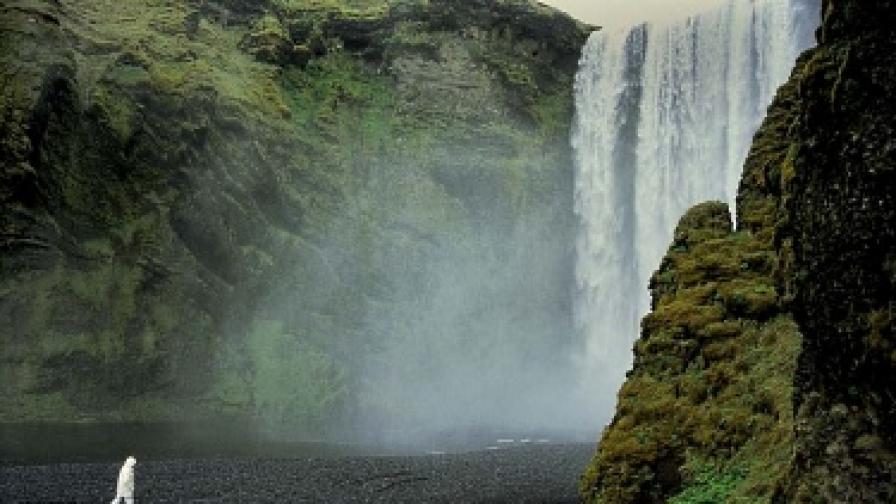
(349, 8)
(155, 39)
(374, 7)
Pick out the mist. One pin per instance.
(443, 297)
(461, 330)
(436, 302)
(482, 341)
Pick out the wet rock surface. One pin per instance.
(840, 220)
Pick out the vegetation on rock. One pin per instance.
(706, 411)
(186, 183)
(795, 306)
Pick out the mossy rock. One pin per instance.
(712, 379)
(181, 179)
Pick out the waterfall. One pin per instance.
(665, 114)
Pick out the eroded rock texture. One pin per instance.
(841, 212)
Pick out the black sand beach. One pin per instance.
(518, 474)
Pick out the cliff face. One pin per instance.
(840, 243)
(220, 206)
(816, 216)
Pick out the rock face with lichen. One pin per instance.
(839, 238)
(797, 304)
(212, 207)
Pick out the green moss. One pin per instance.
(551, 113)
(749, 298)
(162, 53)
(414, 35)
(708, 484)
(880, 334)
(712, 380)
(346, 8)
(192, 181)
(328, 96)
(40, 407)
(292, 383)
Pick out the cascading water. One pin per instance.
(665, 113)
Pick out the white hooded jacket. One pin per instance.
(124, 493)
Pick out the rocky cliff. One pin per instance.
(839, 245)
(223, 206)
(795, 305)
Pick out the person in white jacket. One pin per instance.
(124, 493)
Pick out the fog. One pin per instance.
(474, 337)
(481, 342)
(433, 305)
(430, 311)
(626, 12)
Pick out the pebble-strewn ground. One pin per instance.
(523, 474)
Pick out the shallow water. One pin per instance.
(62, 443)
(112, 442)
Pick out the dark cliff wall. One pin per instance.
(227, 207)
(840, 238)
(816, 201)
